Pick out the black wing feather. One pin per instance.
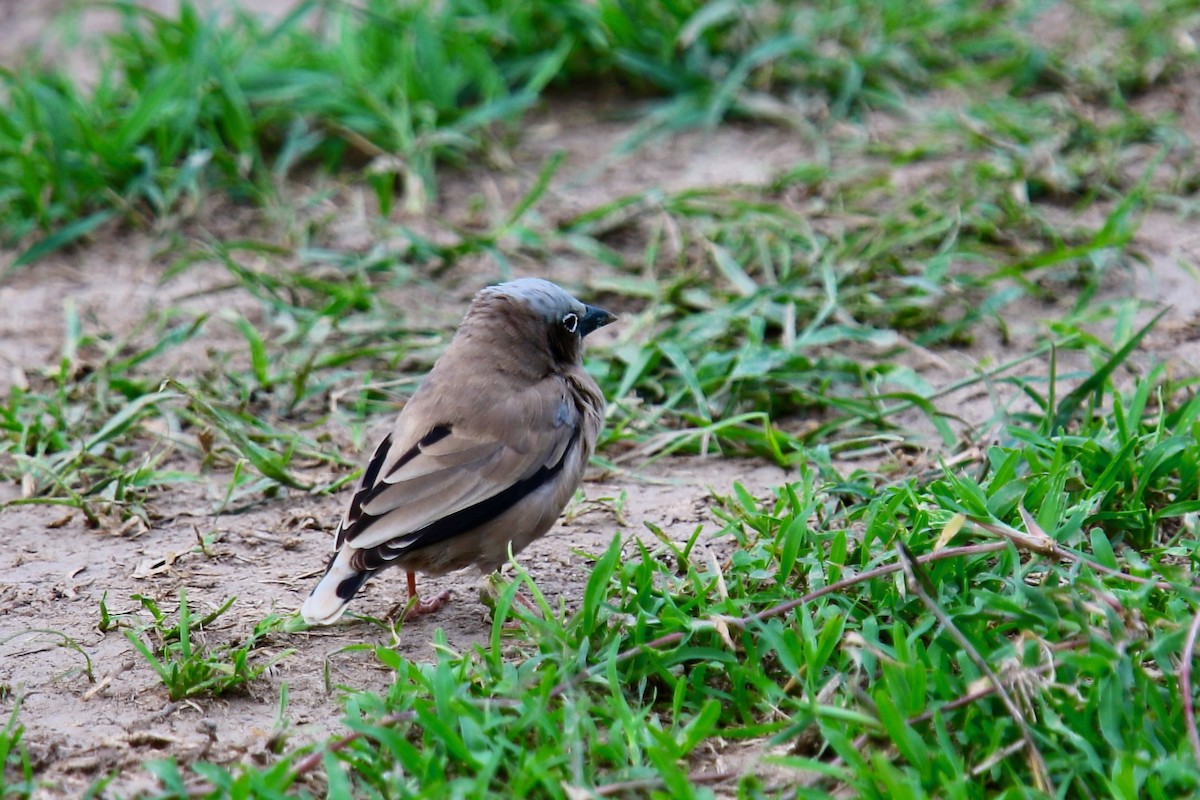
(370, 486)
(468, 518)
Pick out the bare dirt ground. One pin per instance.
(54, 569)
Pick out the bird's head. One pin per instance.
(538, 310)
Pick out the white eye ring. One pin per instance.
(571, 322)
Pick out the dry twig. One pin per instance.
(917, 581)
(1185, 686)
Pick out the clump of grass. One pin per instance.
(70, 433)
(1049, 149)
(190, 102)
(803, 312)
(1127, 476)
(761, 60)
(97, 429)
(16, 772)
(324, 315)
(187, 666)
(1115, 50)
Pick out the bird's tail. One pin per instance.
(335, 591)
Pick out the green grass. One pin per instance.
(764, 311)
(188, 103)
(190, 667)
(1063, 571)
(808, 312)
(69, 432)
(101, 429)
(927, 606)
(16, 773)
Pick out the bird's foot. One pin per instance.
(492, 589)
(523, 599)
(418, 607)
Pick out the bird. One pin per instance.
(485, 454)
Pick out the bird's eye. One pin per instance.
(570, 322)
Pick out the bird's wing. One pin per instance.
(447, 477)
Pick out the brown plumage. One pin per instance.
(486, 453)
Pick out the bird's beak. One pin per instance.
(594, 318)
